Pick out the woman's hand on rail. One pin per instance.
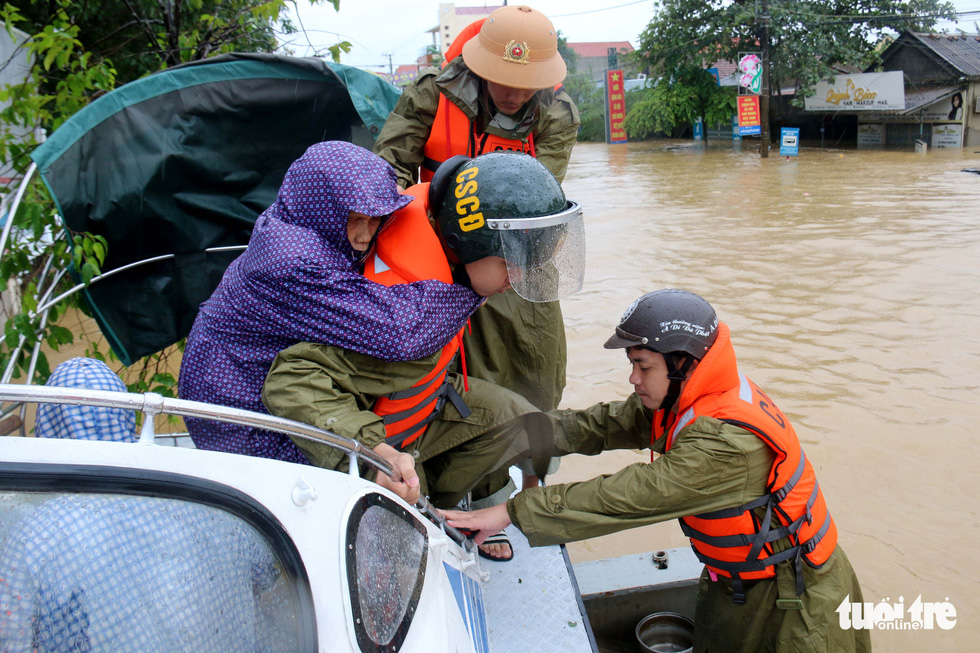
(408, 487)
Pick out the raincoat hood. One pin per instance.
(343, 177)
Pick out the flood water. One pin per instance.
(849, 280)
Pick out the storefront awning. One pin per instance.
(917, 98)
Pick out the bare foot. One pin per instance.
(497, 547)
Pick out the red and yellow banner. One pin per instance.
(617, 106)
(749, 120)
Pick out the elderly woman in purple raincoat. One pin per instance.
(300, 280)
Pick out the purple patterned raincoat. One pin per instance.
(298, 281)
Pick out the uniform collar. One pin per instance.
(464, 89)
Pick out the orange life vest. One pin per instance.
(408, 250)
(735, 542)
(453, 133)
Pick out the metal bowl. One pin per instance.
(665, 632)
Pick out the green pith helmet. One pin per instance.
(668, 321)
(491, 187)
(509, 205)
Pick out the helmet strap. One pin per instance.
(676, 376)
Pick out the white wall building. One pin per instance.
(453, 19)
(15, 65)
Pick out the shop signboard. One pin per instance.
(749, 122)
(789, 141)
(919, 108)
(871, 136)
(944, 136)
(862, 92)
(750, 71)
(950, 108)
(616, 109)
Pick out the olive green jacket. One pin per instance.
(553, 119)
(519, 345)
(513, 343)
(335, 389)
(711, 466)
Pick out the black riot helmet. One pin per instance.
(508, 204)
(676, 323)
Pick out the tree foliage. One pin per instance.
(586, 94)
(809, 40)
(79, 50)
(679, 100)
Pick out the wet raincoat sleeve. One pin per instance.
(403, 137)
(711, 466)
(334, 390)
(405, 323)
(302, 299)
(557, 133)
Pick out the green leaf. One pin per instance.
(99, 250)
(10, 335)
(42, 369)
(89, 271)
(29, 298)
(22, 324)
(62, 335)
(165, 378)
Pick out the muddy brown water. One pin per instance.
(850, 281)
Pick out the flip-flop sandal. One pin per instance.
(499, 538)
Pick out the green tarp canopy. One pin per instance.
(185, 160)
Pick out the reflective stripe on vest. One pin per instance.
(735, 542)
(408, 250)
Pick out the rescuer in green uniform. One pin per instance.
(501, 93)
(525, 235)
(730, 468)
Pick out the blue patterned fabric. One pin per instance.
(112, 573)
(298, 281)
(85, 422)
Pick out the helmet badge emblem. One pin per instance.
(515, 52)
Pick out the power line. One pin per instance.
(593, 11)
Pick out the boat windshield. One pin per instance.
(117, 572)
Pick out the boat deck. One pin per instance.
(533, 602)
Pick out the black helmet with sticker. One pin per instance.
(668, 321)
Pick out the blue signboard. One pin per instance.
(789, 141)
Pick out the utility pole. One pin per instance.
(391, 68)
(764, 97)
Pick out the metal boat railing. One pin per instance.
(152, 404)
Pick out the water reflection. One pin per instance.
(850, 282)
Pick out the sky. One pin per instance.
(379, 28)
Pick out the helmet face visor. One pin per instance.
(545, 255)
